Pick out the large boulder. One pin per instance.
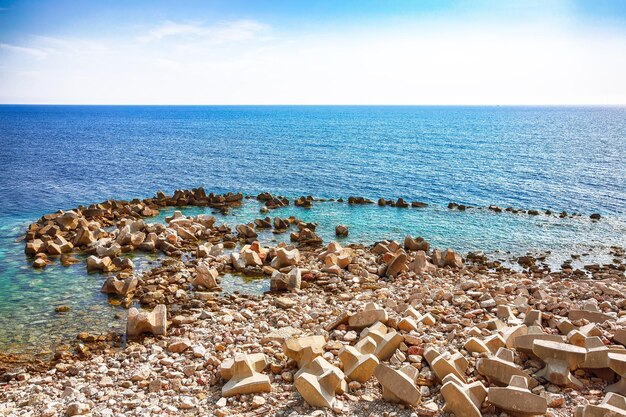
(415, 244)
(205, 277)
(119, 287)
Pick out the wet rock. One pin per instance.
(120, 287)
(341, 230)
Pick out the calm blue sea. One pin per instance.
(557, 158)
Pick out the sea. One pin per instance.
(569, 159)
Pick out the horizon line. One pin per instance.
(328, 105)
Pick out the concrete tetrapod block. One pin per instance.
(589, 312)
(464, 400)
(377, 339)
(598, 353)
(499, 369)
(495, 342)
(245, 379)
(320, 383)
(258, 360)
(509, 334)
(524, 343)
(613, 405)
(475, 345)
(617, 363)
(356, 365)
(441, 365)
(368, 316)
(398, 385)
(154, 322)
(517, 400)
(304, 349)
(560, 359)
(412, 318)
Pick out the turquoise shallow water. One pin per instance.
(530, 157)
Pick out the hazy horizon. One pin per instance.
(486, 52)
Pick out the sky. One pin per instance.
(437, 52)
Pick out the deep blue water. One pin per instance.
(558, 158)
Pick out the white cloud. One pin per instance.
(235, 31)
(34, 52)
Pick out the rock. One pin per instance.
(40, 263)
(517, 399)
(206, 277)
(416, 244)
(77, 409)
(286, 282)
(62, 309)
(371, 314)
(120, 287)
(421, 264)
(452, 259)
(356, 365)
(560, 359)
(154, 322)
(398, 385)
(286, 303)
(304, 349)
(99, 264)
(397, 265)
(258, 401)
(179, 345)
(320, 383)
(341, 230)
(285, 258)
(464, 400)
(613, 405)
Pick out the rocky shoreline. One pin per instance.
(396, 328)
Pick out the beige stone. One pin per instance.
(357, 366)
(286, 282)
(613, 405)
(617, 363)
(245, 379)
(589, 312)
(475, 345)
(560, 359)
(285, 258)
(206, 277)
(499, 369)
(398, 385)
(509, 334)
(397, 265)
(258, 360)
(516, 399)
(154, 322)
(464, 400)
(524, 343)
(444, 364)
(533, 318)
(320, 383)
(368, 316)
(421, 264)
(304, 349)
(119, 287)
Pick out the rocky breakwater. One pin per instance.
(391, 329)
